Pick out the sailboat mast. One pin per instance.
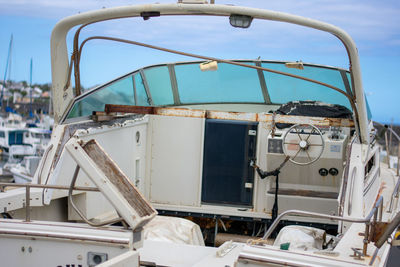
(30, 91)
(8, 66)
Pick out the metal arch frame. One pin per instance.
(59, 53)
(75, 58)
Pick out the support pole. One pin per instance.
(216, 229)
(398, 159)
(28, 203)
(387, 150)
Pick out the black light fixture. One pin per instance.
(323, 172)
(146, 15)
(240, 21)
(333, 171)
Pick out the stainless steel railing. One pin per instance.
(388, 142)
(378, 208)
(28, 192)
(395, 195)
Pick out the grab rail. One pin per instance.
(77, 210)
(388, 143)
(28, 192)
(395, 194)
(367, 220)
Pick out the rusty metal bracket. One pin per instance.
(377, 230)
(357, 254)
(100, 116)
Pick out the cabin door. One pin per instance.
(229, 146)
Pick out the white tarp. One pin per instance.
(174, 230)
(301, 237)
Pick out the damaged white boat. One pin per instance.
(263, 143)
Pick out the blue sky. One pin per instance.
(374, 25)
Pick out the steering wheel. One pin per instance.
(304, 140)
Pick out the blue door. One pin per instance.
(229, 146)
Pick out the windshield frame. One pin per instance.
(140, 71)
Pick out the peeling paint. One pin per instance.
(225, 115)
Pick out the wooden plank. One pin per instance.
(118, 179)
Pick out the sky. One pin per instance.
(374, 25)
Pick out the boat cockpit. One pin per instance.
(213, 129)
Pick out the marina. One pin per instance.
(201, 161)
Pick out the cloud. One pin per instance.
(394, 42)
(55, 8)
(374, 25)
(363, 19)
(372, 30)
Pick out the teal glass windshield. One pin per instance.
(120, 92)
(283, 89)
(227, 84)
(159, 83)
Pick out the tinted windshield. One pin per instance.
(187, 84)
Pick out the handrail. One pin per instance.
(345, 178)
(373, 213)
(60, 187)
(349, 97)
(387, 147)
(78, 211)
(395, 194)
(390, 129)
(28, 193)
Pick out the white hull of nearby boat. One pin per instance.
(20, 151)
(38, 138)
(24, 170)
(20, 178)
(13, 121)
(10, 137)
(18, 141)
(225, 161)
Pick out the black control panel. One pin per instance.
(275, 146)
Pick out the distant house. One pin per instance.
(46, 94)
(36, 93)
(6, 92)
(17, 86)
(17, 97)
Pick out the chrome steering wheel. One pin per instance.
(304, 142)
